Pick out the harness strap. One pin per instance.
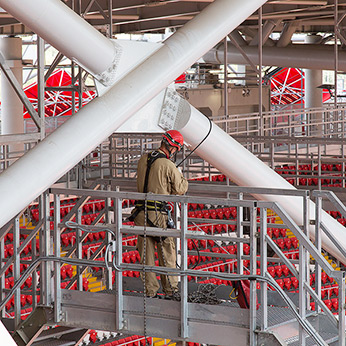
(152, 157)
(151, 205)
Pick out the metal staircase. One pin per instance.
(282, 319)
(33, 331)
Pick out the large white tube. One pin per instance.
(66, 31)
(245, 169)
(28, 177)
(12, 121)
(5, 336)
(320, 57)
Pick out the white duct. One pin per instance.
(67, 32)
(319, 57)
(245, 169)
(36, 171)
(5, 336)
(12, 121)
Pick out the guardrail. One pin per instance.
(115, 229)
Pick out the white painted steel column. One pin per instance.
(11, 106)
(57, 24)
(245, 169)
(65, 147)
(313, 95)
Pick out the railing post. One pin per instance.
(303, 263)
(45, 250)
(184, 280)
(253, 267)
(16, 270)
(342, 309)
(318, 244)
(264, 262)
(109, 273)
(2, 282)
(57, 278)
(79, 249)
(319, 167)
(118, 274)
(240, 235)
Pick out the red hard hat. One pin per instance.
(174, 138)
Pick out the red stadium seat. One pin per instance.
(285, 270)
(271, 271)
(335, 303)
(287, 283)
(288, 243)
(328, 303)
(280, 282)
(295, 282)
(278, 270)
(336, 289)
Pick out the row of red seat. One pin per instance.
(287, 243)
(307, 169)
(9, 283)
(25, 300)
(332, 304)
(9, 250)
(85, 283)
(219, 213)
(216, 177)
(135, 340)
(91, 207)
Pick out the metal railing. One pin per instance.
(113, 225)
(12, 147)
(327, 122)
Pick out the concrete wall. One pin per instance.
(241, 100)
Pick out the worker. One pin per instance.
(157, 173)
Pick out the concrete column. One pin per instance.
(313, 95)
(11, 107)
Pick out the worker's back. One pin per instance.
(164, 178)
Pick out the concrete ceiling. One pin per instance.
(144, 16)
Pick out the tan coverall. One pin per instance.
(164, 179)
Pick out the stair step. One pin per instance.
(289, 330)
(55, 333)
(97, 289)
(55, 342)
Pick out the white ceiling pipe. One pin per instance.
(245, 169)
(320, 57)
(36, 171)
(71, 34)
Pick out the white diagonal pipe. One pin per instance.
(245, 169)
(319, 57)
(66, 31)
(5, 336)
(36, 171)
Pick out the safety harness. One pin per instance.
(151, 205)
